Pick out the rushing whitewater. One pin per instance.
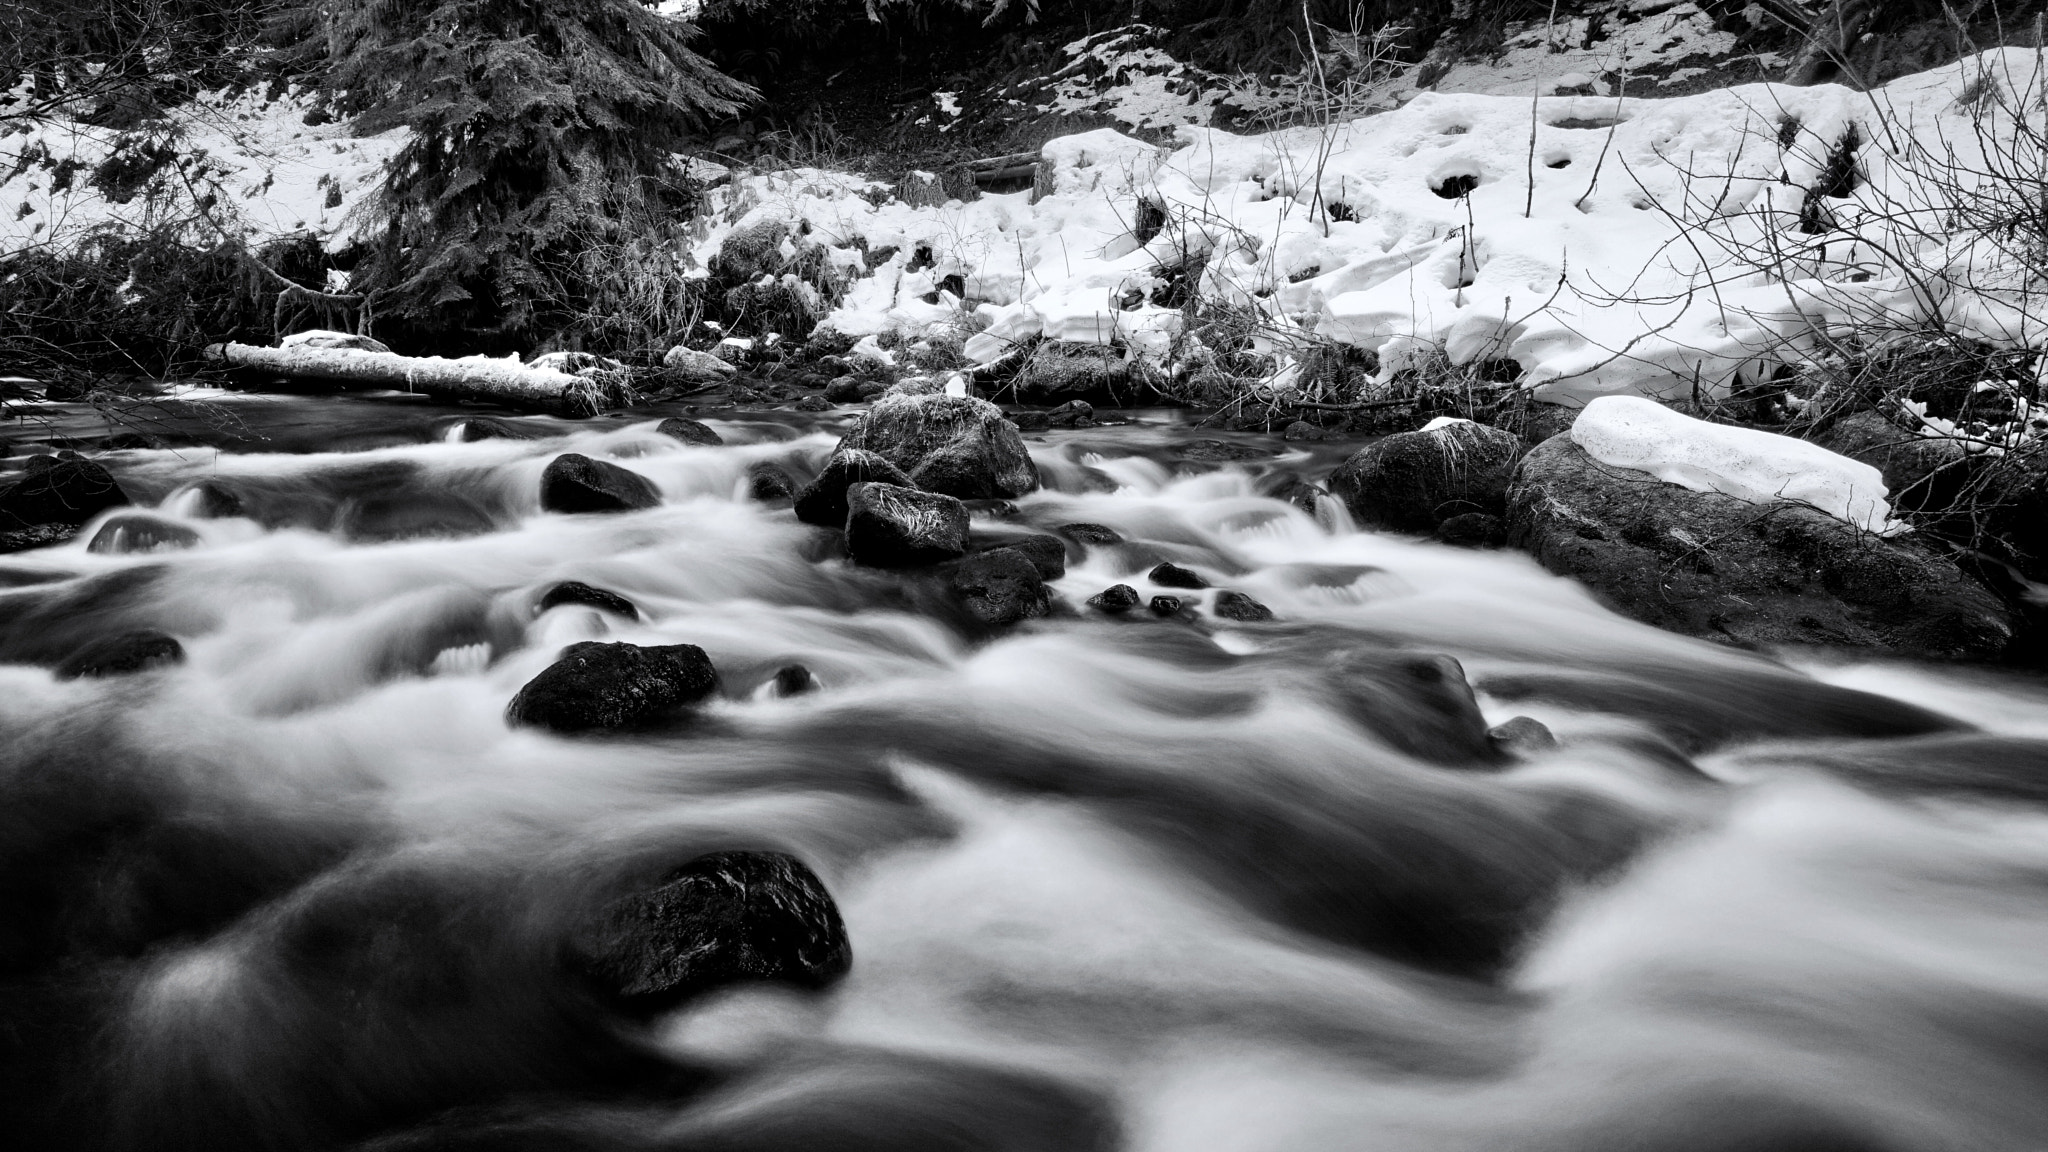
(1172, 885)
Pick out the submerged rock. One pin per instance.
(689, 431)
(62, 489)
(1165, 605)
(1240, 607)
(823, 500)
(1414, 481)
(1093, 535)
(794, 680)
(1522, 736)
(1048, 554)
(597, 686)
(890, 526)
(492, 428)
(721, 919)
(767, 483)
(1001, 587)
(120, 655)
(577, 592)
(140, 532)
(1754, 575)
(956, 445)
(576, 483)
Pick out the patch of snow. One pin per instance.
(267, 171)
(1746, 463)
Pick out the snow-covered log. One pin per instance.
(505, 382)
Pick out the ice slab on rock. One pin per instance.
(1748, 464)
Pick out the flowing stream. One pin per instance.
(1178, 885)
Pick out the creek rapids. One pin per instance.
(1165, 885)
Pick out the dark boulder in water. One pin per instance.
(688, 431)
(767, 483)
(62, 489)
(1170, 575)
(957, 445)
(1116, 599)
(597, 686)
(577, 592)
(120, 655)
(1165, 605)
(1752, 575)
(576, 483)
(890, 526)
(214, 500)
(1242, 608)
(140, 532)
(823, 500)
(1000, 587)
(1048, 554)
(721, 919)
(1414, 481)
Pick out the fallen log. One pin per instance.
(506, 382)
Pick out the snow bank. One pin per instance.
(1640, 246)
(1643, 435)
(268, 172)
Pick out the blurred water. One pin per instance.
(1110, 883)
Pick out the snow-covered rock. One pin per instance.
(701, 367)
(1746, 463)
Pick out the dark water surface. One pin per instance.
(1173, 885)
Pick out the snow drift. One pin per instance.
(1656, 247)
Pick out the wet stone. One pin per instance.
(1169, 575)
(576, 483)
(1094, 535)
(823, 500)
(1116, 599)
(1001, 587)
(1240, 607)
(890, 526)
(794, 680)
(1165, 605)
(597, 686)
(130, 532)
(1522, 736)
(688, 431)
(768, 484)
(62, 489)
(722, 919)
(121, 655)
(577, 592)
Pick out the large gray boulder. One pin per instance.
(1414, 481)
(1751, 575)
(597, 686)
(958, 445)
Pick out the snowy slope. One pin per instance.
(1658, 249)
(269, 173)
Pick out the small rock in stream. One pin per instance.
(1170, 575)
(1094, 535)
(577, 592)
(1048, 554)
(1522, 736)
(1116, 599)
(123, 654)
(597, 686)
(794, 680)
(767, 483)
(576, 483)
(890, 526)
(1001, 587)
(1240, 607)
(721, 919)
(1165, 605)
(491, 428)
(688, 431)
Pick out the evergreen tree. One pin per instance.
(542, 146)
